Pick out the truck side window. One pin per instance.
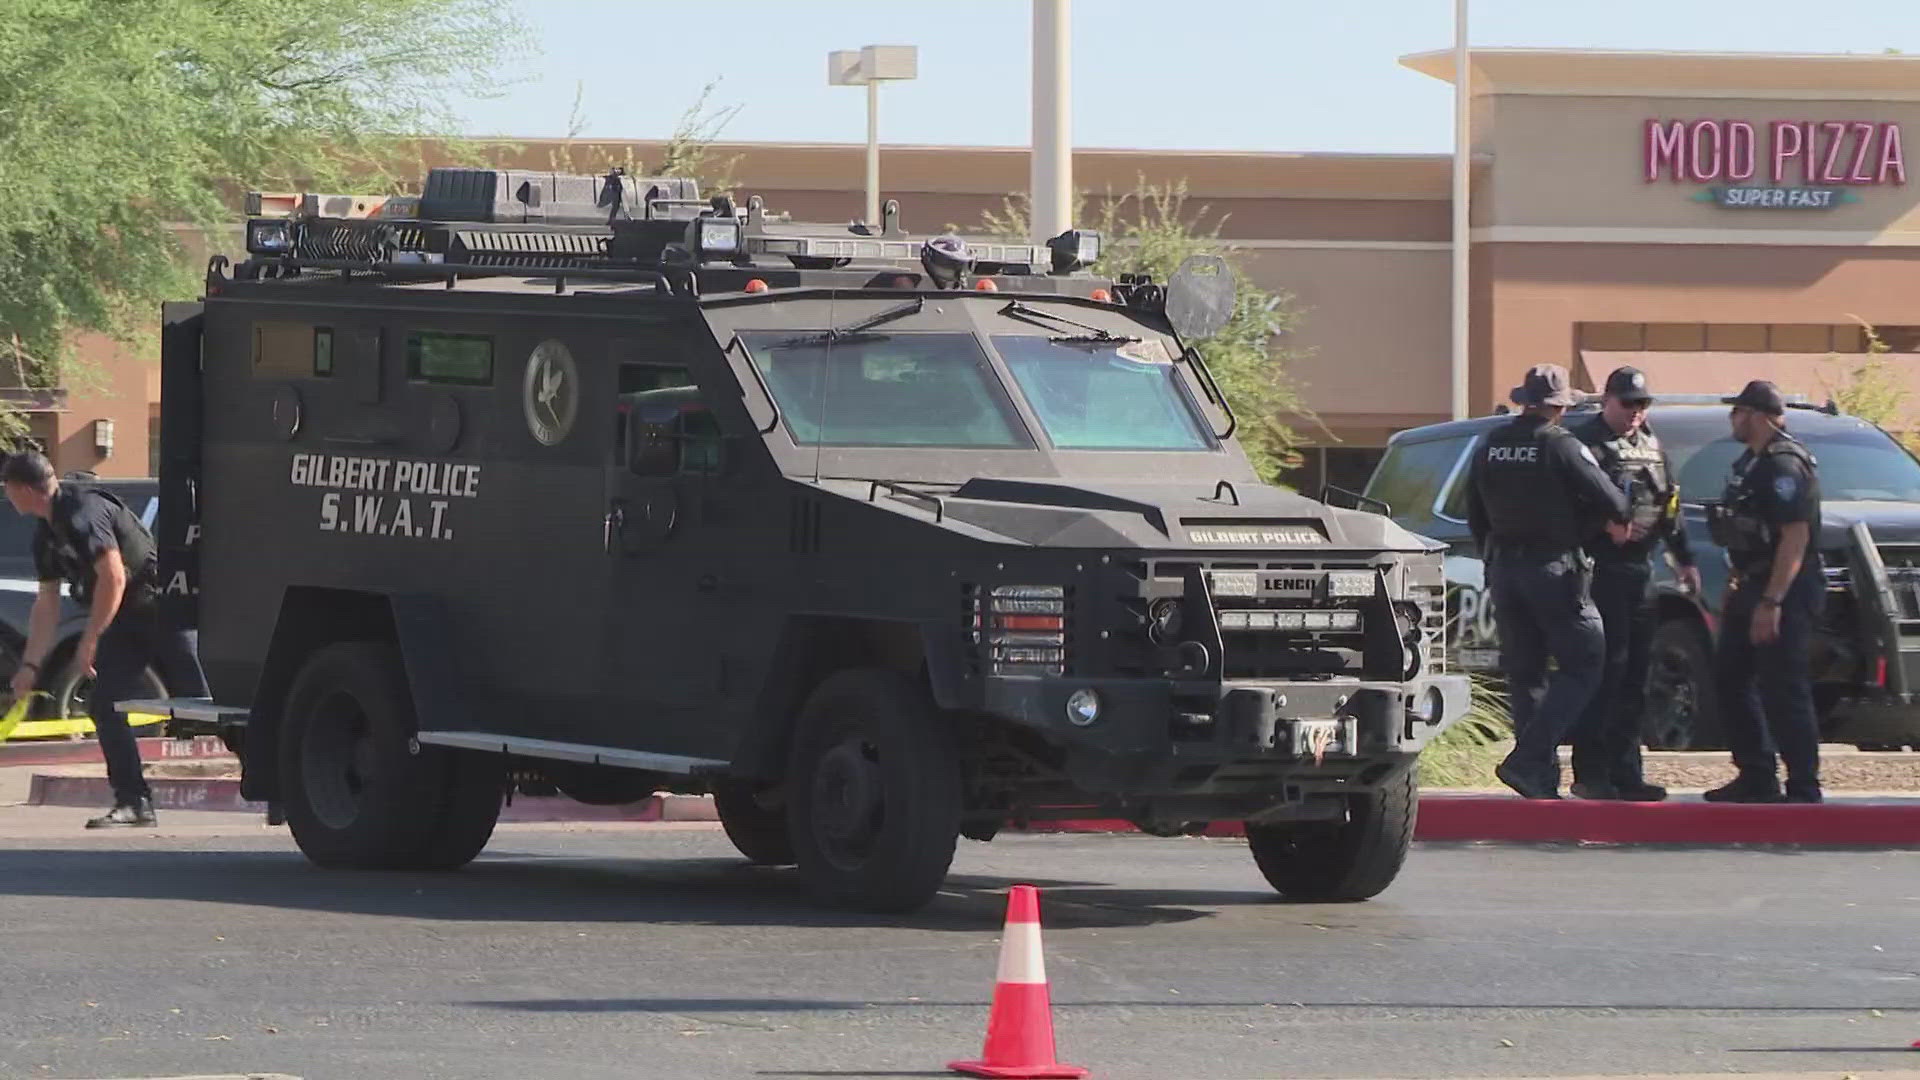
(285, 350)
(664, 425)
(457, 359)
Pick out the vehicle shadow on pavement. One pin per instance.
(693, 891)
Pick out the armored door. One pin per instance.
(665, 623)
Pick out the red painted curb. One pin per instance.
(1457, 818)
(87, 751)
(223, 793)
(1884, 823)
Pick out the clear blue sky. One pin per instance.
(1308, 75)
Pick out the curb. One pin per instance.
(170, 793)
(87, 751)
(1880, 823)
(1864, 823)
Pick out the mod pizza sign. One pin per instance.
(1780, 164)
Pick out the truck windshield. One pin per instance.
(886, 390)
(1095, 395)
(1863, 465)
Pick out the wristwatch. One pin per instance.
(1765, 599)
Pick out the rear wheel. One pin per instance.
(1683, 711)
(358, 791)
(874, 783)
(758, 832)
(1354, 860)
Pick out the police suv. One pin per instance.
(1866, 654)
(580, 484)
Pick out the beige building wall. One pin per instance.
(1374, 330)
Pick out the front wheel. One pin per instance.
(1682, 708)
(873, 787)
(1352, 860)
(758, 832)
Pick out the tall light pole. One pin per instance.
(1462, 221)
(869, 67)
(1051, 180)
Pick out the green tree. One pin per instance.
(1151, 230)
(1872, 391)
(127, 126)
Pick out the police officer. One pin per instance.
(1535, 493)
(90, 540)
(1768, 522)
(1606, 744)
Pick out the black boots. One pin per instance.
(137, 816)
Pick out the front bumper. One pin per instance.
(1161, 736)
(1879, 718)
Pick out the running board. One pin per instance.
(565, 751)
(197, 709)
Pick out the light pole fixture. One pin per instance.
(869, 67)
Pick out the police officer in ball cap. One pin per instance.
(1535, 493)
(1768, 521)
(1606, 744)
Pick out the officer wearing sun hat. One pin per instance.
(1769, 523)
(1535, 493)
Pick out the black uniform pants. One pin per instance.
(1766, 694)
(1606, 745)
(139, 636)
(1543, 609)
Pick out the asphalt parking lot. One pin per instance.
(648, 951)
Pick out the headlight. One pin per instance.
(1350, 584)
(1083, 707)
(1074, 249)
(1429, 706)
(269, 237)
(716, 237)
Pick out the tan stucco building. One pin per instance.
(1707, 217)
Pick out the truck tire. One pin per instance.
(1683, 707)
(759, 833)
(356, 792)
(475, 788)
(1324, 862)
(874, 810)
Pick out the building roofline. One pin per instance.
(1543, 70)
(895, 147)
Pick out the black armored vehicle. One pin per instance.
(588, 485)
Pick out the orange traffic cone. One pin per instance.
(1020, 1027)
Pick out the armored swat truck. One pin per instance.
(544, 483)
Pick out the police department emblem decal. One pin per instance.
(552, 392)
(1785, 487)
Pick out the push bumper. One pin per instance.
(1159, 735)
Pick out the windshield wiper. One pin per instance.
(911, 307)
(1017, 310)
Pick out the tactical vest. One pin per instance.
(1738, 525)
(1641, 472)
(1525, 501)
(141, 557)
